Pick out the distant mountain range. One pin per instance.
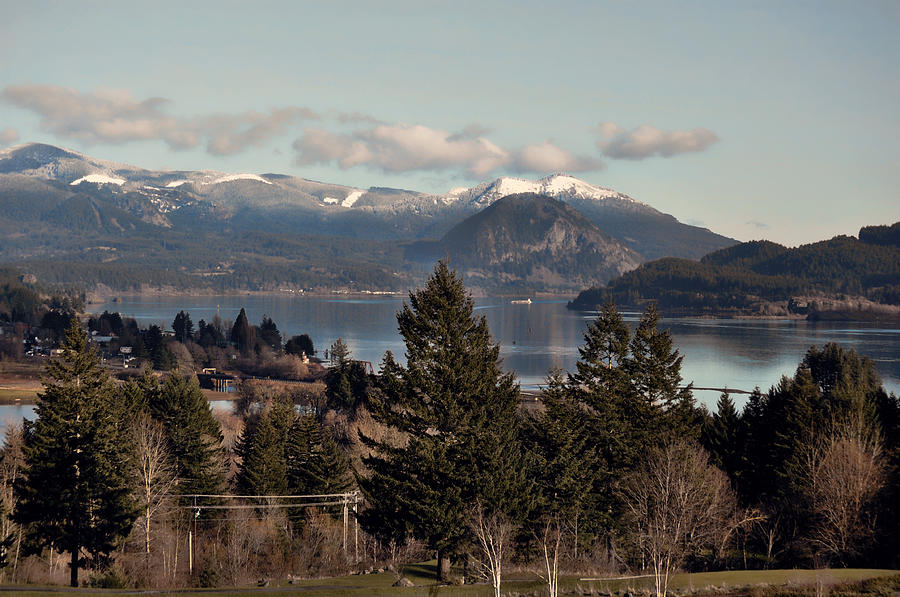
(217, 230)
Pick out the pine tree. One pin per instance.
(263, 449)
(269, 334)
(655, 363)
(603, 387)
(263, 468)
(242, 333)
(74, 494)
(460, 414)
(159, 353)
(316, 465)
(566, 465)
(183, 327)
(194, 435)
(346, 383)
(720, 436)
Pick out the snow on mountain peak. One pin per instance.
(98, 179)
(232, 177)
(554, 185)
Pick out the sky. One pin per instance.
(776, 120)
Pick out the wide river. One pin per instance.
(734, 353)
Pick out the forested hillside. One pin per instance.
(745, 277)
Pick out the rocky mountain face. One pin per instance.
(529, 240)
(42, 185)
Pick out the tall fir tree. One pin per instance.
(346, 383)
(602, 386)
(74, 492)
(242, 333)
(459, 412)
(262, 449)
(566, 464)
(194, 435)
(654, 367)
(183, 326)
(720, 436)
(316, 464)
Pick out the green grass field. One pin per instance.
(752, 582)
(13, 396)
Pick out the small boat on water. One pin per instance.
(521, 302)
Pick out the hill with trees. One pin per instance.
(843, 277)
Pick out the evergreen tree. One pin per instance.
(603, 388)
(340, 353)
(268, 334)
(74, 492)
(242, 333)
(720, 436)
(183, 327)
(459, 412)
(346, 383)
(316, 465)
(655, 363)
(157, 350)
(194, 435)
(208, 335)
(300, 344)
(262, 449)
(566, 464)
(263, 468)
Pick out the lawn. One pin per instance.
(745, 582)
(18, 396)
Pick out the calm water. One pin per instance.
(736, 353)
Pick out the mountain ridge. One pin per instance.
(142, 214)
(527, 240)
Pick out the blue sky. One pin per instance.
(758, 120)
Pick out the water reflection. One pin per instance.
(738, 353)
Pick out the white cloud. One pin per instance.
(547, 157)
(116, 116)
(402, 148)
(406, 148)
(647, 141)
(8, 135)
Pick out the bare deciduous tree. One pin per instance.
(845, 471)
(11, 461)
(492, 533)
(549, 542)
(157, 473)
(676, 501)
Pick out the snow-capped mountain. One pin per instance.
(288, 204)
(555, 185)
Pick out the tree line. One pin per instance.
(259, 349)
(619, 470)
(737, 278)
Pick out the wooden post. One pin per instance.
(355, 528)
(345, 523)
(196, 516)
(190, 552)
